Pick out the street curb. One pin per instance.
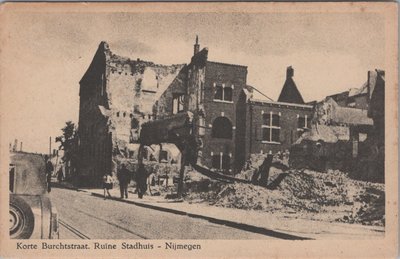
(63, 186)
(242, 226)
(149, 206)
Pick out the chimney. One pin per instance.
(196, 46)
(289, 72)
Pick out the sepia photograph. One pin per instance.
(183, 123)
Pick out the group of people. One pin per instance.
(124, 178)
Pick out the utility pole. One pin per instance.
(49, 146)
(182, 171)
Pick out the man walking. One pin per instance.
(49, 170)
(124, 177)
(141, 180)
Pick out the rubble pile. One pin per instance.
(279, 161)
(370, 209)
(303, 192)
(245, 196)
(323, 189)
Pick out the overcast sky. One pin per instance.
(50, 53)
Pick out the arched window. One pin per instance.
(218, 95)
(223, 92)
(222, 128)
(228, 92)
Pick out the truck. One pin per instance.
(32, 215)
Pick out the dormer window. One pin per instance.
(223, 92)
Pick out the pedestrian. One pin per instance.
(141, 179)
(151, 179)
(124, 179)
(49, 171)
(107, 185)
(60, 175)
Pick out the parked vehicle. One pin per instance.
(31, 212)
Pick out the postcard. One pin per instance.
(180, 130)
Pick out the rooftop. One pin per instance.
(226, 64)
(273, 103)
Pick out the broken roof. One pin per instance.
(345, 115)
(351, 116)
(318, 132)
(328, 134)
(357, 91)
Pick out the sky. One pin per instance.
(48, 53)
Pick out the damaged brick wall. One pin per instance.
(163, 106)
(134, 88)
(196, 96)
(94, 138)
(116, 95)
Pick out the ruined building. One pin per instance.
(354, 97)
(347, 132)
(118, 94)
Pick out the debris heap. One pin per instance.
(302, 193)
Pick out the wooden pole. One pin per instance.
(49, 146)
(159, 153)
(182, 172)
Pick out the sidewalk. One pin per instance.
(279, 226)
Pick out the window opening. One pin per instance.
(177, 103)
(271, 127)
(222, 128)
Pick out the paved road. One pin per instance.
(85, 216)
